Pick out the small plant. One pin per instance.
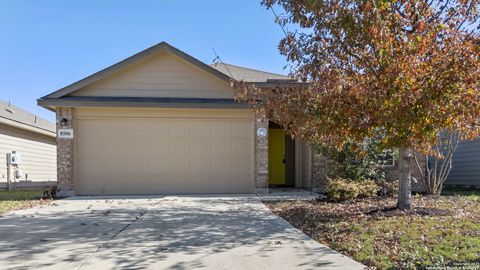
(436, 169)
(388, 188)
(51, 192)
(339, 189)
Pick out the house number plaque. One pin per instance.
(65, 133)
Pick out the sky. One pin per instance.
(48, 44)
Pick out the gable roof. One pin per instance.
(12, 115)
(249, 74)
(224, 72)
(161, 47)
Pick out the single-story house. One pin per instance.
(162, 122)
(32, 141)
(465, 165)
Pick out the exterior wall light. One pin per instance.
(64, 122)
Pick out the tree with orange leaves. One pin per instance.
(398, 71)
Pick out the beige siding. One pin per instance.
(156, 151)
(38, 154)
(161, 75)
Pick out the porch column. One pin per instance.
(65, 152)
(261, 154)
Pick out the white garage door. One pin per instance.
(163, 151)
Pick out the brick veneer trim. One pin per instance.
(65, 152)
(261, 155)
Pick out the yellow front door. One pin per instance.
(276, 157)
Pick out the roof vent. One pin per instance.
(9, 110)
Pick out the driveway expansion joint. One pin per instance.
(103, 244)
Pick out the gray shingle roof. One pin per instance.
(19, 115)
(248, 74)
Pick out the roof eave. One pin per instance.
(141, 102)
(23, 126)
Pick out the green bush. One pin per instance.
(351, 163)
(339, 189)
(388, 188)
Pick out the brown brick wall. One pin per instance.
(306, 162)
(65, 153)
(321, 168)
(261, 155)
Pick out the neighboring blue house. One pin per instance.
(466, 165)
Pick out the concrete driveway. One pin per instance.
(173, 232)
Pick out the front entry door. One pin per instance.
(276, 157)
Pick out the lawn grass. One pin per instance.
(470, 194)
(20, 199)
(438, 231)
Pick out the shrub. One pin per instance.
(51, 192)
(388, 188)
(339, 189)
(351, 163)
(367, 188)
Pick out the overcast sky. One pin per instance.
(48, 44)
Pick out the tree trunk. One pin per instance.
(404, 181)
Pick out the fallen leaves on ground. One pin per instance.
(439, 230)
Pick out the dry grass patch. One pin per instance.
(20, 199)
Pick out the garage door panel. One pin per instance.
(133, 146)
(241, 184)
(178, 146)
(159, 170)
(173, 183)
(87, 129)
(219, 166)
(240, 147)
(158, 127)
(198, 147)
(135, 165)
(158, 147)
(142, 129)
(163, 155)
(178, 165)
(198, 184)
(199, 129)
(98, 127)
(179, 128)
(239, 129)
(220, 147)
(219, 129)
(219, 184)
(199, 167)
(92, 164)
(240, 166)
